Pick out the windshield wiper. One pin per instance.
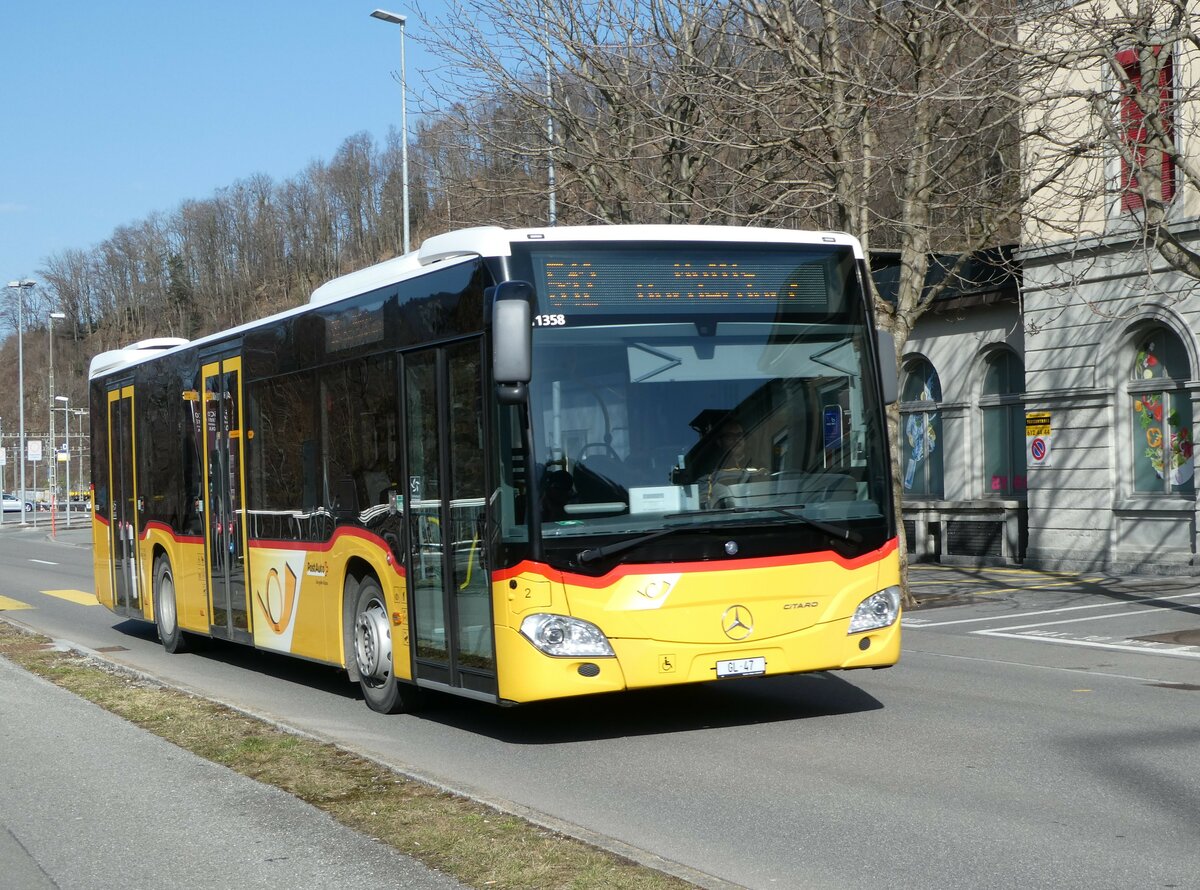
(837, 532)
(594, 553)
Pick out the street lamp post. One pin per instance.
(550, 184)
(52, 474)
(21, 286)
(396, 19)
(79, 413)
(66, 409)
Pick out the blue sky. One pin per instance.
(113, 110)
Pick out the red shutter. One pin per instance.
(1133, 129)
(1166, 91)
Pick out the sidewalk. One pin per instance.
(79, 533)
(88, 800)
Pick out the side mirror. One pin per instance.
(512, 340)
(890, 389)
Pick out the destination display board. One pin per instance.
(705, 280)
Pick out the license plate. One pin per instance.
(741, 667)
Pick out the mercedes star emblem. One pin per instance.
(737, 622)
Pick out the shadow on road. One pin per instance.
(743, 702)
(656, 711)
(967, 585)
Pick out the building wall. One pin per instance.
(1069, 164)
(1084, 313)
(1092, 289)
(955, 528)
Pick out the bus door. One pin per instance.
(224, 517)
(451, 635)
(123, 502)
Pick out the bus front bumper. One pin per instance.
(528, 675)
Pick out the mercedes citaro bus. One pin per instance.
(520, 465)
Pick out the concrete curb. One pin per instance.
(638, 855)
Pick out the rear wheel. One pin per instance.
(373, 652)
(166, 615)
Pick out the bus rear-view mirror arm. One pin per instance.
(512, 340)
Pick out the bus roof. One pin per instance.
(112, 359)
(493, 241)
(483, 241)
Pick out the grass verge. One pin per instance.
(478, 845)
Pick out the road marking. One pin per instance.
(978, 573)
(10, 605)
(74, 596)
(969, 584)
(1140, 649)
(1055, 584)
(1075, 620)
(918, 622)
(1091, 672)
(44, 562)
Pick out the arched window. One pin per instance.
(1162, 415)
(921, 427)
(1002, 404)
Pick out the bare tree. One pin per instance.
(901, 121)
(1108, 95)
(623, 97)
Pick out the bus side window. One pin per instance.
(360, 436)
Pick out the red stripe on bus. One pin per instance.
(326, 546)
(707, 566)
(170, 532)
(267, 544)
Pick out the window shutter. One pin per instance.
(1166, 92)
(1134, 131)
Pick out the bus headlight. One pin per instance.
(876, 611)
(565, 637)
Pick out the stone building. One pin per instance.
(962, 417)
(1095, 345)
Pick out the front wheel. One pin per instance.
(373, 652)
(166, 614)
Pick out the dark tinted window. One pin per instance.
(284, 445)
(99, 422)
(361, 455)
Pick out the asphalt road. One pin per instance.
(1040, 731)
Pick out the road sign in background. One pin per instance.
(1037, 438)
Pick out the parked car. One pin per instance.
(12, 504)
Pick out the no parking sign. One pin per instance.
(1037, 438)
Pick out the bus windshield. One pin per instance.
(708, 408)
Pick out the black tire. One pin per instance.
(28, 507)
(372, 651)
(166, 613)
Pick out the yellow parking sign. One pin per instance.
(1037, 423)
(1037, 438)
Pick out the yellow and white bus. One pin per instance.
(519, 465)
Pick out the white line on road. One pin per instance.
(44, 562)
(1092, 672)
(1073, 620)
(1144, 649)
(920, 623)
